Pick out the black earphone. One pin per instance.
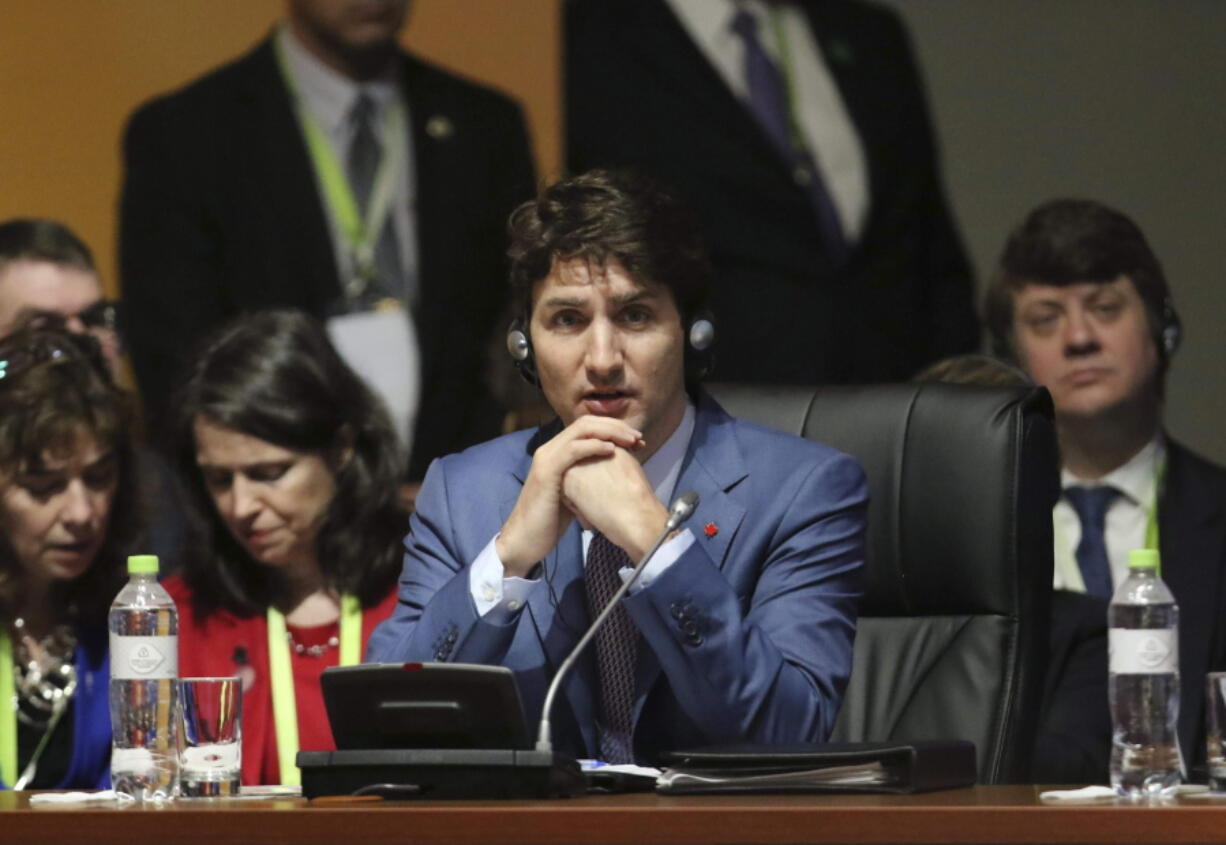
(699, 348)
(1171, 331)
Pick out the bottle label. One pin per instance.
(1143, 651)
(144, 658)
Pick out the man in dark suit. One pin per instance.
(226, 206)
(1082, 304)
(799, 135)
(740, 628)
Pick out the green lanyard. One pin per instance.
(284, 703)
(360, 231)
(8, 722)
(785, 70)
(1151, 525)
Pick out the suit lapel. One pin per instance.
(1192, 533)
(283, 169)
(713, 466)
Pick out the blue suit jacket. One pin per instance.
(746, 637)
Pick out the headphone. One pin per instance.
(1170, 329)
(699, 348)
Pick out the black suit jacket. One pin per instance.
(220, 214)
(1074, 744)
(640, 93)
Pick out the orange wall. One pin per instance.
(71, 71)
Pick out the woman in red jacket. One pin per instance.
(293, 469)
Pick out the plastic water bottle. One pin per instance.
(144, 627)
(1143, 638)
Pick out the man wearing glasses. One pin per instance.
(45, 268)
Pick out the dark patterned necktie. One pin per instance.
(616, 650)
(365, 156)
(768, 100)
(1091, 504)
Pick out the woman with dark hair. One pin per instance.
(68, 519)
(292, 470)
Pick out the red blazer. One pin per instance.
(225, 644)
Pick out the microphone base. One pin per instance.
(437, 774)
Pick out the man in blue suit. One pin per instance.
(740, 628)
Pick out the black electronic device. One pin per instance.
(424, 705)
(433, 731)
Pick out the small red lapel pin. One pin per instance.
(710, 529)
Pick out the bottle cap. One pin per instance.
(1143, 559)
(142, 564)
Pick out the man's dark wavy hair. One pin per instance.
(604, 214)
(274, 375)
(1068, 241)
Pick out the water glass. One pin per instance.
(1215, 718)
(210, 737)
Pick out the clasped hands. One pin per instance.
(587, 471)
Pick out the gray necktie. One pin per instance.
(365, 155)
(616, 651)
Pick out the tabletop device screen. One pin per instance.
(424, 705)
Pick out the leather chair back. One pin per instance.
(951, 641)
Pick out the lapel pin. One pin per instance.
(710, 529)
(439, 127)
(842, 52)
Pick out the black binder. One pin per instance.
(832, 767)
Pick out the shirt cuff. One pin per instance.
(498, 599)
(665, 557)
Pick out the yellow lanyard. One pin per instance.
(8, 723)
(361, 231)
(284, 701)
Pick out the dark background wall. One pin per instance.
(1121, 100)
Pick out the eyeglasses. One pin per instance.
(103, 314)
(45, 347)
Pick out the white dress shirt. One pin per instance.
(1127, 516)
(498, 598)
(820, 113)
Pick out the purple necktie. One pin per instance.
(616, 651)
(768, 100)
(1091, 504)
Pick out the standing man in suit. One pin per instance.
(798, 133)
(1082, 304)
(329, 170)
(741, 627)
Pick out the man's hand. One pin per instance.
(611, 494)
(540, 515)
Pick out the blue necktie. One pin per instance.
(768, 100)
(1091, 504)
(616, 651)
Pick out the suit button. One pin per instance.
(693, 641)
(676, 610)
(451, 638)
(689, 628)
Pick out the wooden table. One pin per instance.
(984, 814)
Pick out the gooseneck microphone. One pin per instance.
(681, 510)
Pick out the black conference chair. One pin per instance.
(952, 637)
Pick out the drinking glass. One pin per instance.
(210, 737)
